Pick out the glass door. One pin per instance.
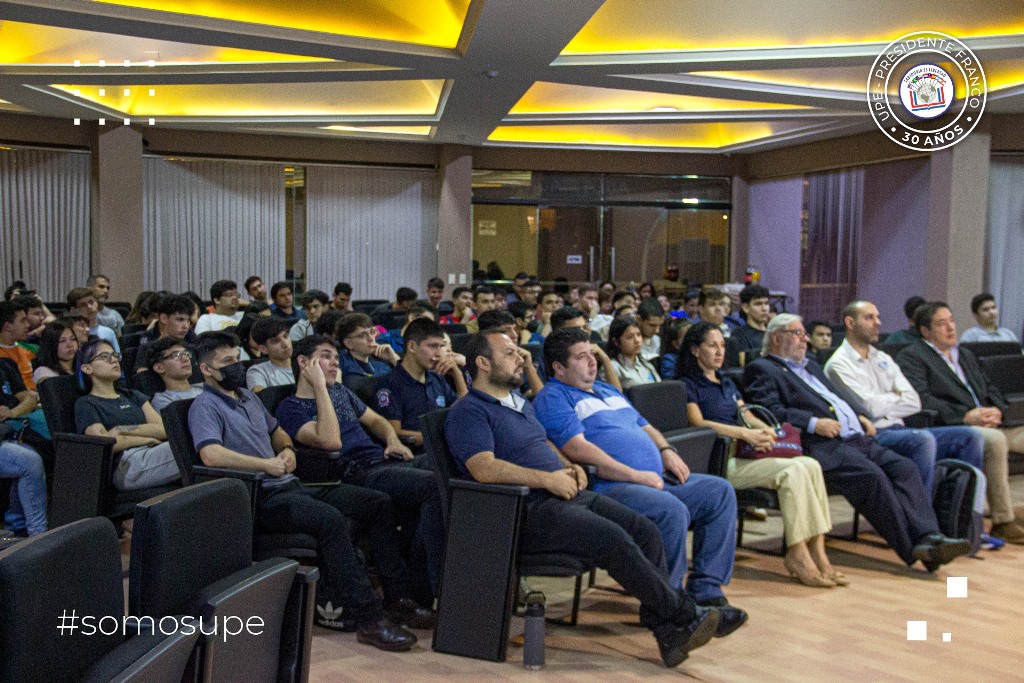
(569, 243)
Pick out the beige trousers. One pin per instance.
(998, 444)
(801, 488)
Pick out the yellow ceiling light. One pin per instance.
(32, 44)
(557, 98)
(386, 98)
(436, 23)
(668, 135)
(390, 130)
(668, 25)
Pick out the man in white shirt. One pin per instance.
(983, 306)
(224, 294)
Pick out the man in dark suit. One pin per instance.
(885, 487)
(951, 382)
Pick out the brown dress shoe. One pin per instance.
(1009, 532)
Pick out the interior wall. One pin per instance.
(773, 236)
(506, 234)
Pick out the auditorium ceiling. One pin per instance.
(716, 76)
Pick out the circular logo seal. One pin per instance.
(926, 91)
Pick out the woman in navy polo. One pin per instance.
(713, 401)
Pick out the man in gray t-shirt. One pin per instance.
(271, 337)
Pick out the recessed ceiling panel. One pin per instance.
(387, 98)
(668, 135)
(664, 25)
(32, 44)
(437, 23)
(558, 98)
(388, 130)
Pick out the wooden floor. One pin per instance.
(858, 633)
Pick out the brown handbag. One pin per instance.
(787, 437)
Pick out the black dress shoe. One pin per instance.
(385, 634)
(730, 618)
(411, 615)
(935, 550)
(675, 642)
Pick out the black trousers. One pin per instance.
(610, 535)
(321, 512)
(886, 488)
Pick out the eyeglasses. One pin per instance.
(107, 357)
(800, 334)
(178, 355)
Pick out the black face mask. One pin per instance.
(232, 377)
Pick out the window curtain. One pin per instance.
(1005, 249)
(833, 206)
(44, 220)
(212, 220)
(375, 228)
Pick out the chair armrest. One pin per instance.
(316, 466)
(85, 439)
(503, 489)
(297, 627)
(922, 420)
(83, 467)
(696, 446)
(219, 472)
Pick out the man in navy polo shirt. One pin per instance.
(418, 384)
(593, 424)
(361, 355)
(232, 429)
(495, 437)
(324, 414)
(396, 338)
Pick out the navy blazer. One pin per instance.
(770, 383)
(940, 388)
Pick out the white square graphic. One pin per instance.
(127, 92)
(78, 62)
(152, 122)
(127, 122)
(127, 62)
(103, 122)
(956, 586)
(947, 637)
(103, 92)
(103, 62)
(917, 630)
(78, 122)
(152, 92)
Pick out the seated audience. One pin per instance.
(588, 301)
(314, 303)
(950, 381)
(885, 487)
(910, 333)
(35, 314)
(435, 295)
(170, 359)
(173, 320)
(526, 321)
(714, 307)
(20, 413)
(647, 291)
(414, 311)
(601, 322)
(757, 311)
(342, 300)
(549, 303)
(198, 306)
(105, 315)
(26, 515)
(13, 329)
(503, 321)
(271, 338)
(256, 290)
(226, 304)
(624, 345)
(691, 304)
(361, 355)
(593, 424)
(328, 321)
(713, 401)
(462, 311)
(231, 428)
(247, 347)
(140, 314)
(568, 317)
(283, 306)
(820, 338)
(420, 383)
(518, 283)
(986, 314)
(125, 415)
(57, 349)
(79, 325)
(83, 302)
(484, 299)
(496, 438)
(670, 345)
(404, 298)
(324, 414)
(650, 317)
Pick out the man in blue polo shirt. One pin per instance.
(396, 338)
(231, 429)
(495, 437)
(418, 384)
(361, 355)
(324, 414)
(594, 424)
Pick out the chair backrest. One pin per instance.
(389, 320)
(129, 357)
(58, 396)
(363, 387)
(147, 381)
(454, 328)
(132, 328)
(76, 569)
(1001, 348)
(369, 302)
(1006, 372)
(272, 396)
(442, 461)
(460, 342)
(130, 341)
(663, 404)
(822, 355)
(892, 349)
(175, 417)
(186, 540)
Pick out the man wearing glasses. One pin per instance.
(884, 487)
(173, 362)
(361, 355)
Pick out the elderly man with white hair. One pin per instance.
(883, 486)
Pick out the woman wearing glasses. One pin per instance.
(127, 416)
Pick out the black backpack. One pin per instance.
(956, 485)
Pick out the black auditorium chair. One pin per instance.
(84, 465)
(454, 328)
(76, 570)
(132, 328)
(389, 320)
(484, 527)
(1007, 374)
(122, 307)
(370, 304)
(130, 341)
(191, 555)
(983, 349)
(460, 342)
(892, 349)
(313, 466)
(363, 387)
(301, 547)
(148, 382)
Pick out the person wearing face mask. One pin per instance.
(127, 416)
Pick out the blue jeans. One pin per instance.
(924, 446)
(28, 496)
(710, 503)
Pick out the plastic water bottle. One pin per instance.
(533, 635)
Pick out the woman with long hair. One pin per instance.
(624, 344)
(713, 401)
(58, 345)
